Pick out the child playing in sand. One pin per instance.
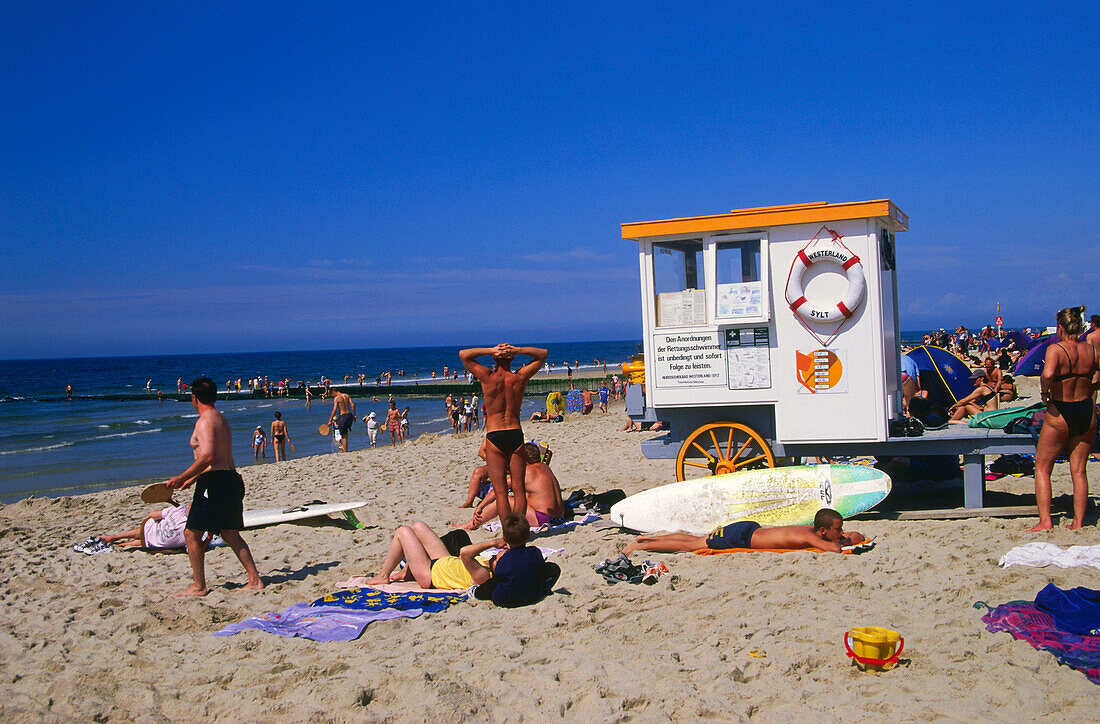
(826, 533)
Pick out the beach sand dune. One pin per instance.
(101, 638)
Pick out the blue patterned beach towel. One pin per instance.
(368, 599)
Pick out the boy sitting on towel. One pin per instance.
(827, 533)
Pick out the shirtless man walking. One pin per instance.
(218, 505)
(342, 415)
(503, 392)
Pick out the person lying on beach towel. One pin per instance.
(826, 534)
(516, 576)
(161, 530)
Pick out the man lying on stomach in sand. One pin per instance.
(827, 533)
(544, 503)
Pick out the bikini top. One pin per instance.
(1070, 375)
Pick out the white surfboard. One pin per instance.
(288, 514)
(773, 496)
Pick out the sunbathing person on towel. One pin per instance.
(827, 533)
(515, 577)
(160, 529)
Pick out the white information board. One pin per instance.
(682, 309)
(689, 359)
(748, 358)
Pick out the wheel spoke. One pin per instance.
(747, 462)
(741, 449)
(697, 465)
(729, 444)
(701, 449)
(717, 447)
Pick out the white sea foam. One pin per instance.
(141, 422)
(125, 434)
(105, 427)
(189, 416)
(36, 449)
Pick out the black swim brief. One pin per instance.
(507, 441)
(734, 535)
(218, 503)
(1078, 415)
(344, 422)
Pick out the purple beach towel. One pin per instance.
(317, 623)
(1025, 621)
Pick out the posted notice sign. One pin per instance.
(689, 359)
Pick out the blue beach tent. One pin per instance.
(945, 376)
(1031, 363)
(1021, 339)
(1042, 339)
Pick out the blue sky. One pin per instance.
(193, 177)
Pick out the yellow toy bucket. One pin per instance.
(873, 647)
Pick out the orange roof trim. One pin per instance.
(743, 219)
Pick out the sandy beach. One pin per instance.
(101, 637)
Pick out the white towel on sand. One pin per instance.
(546, 552)
(494, 525)
(1047, 554)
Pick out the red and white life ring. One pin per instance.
(826, 251)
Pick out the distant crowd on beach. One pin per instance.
(999, 343)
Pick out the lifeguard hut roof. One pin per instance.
(759, 218)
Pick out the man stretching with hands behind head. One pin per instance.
(218, 505)
(503, 392)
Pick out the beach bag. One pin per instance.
(999, 419)
(932, 416)
(1013, 465)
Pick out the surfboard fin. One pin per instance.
(353, 520)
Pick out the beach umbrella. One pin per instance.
(942, 374)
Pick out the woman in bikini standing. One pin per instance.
(1069, 379)
(503, 393)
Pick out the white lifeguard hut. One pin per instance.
(774, 332)
(768, 327)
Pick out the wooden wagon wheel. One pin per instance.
(718, 448)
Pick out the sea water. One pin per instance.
(52, 446)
